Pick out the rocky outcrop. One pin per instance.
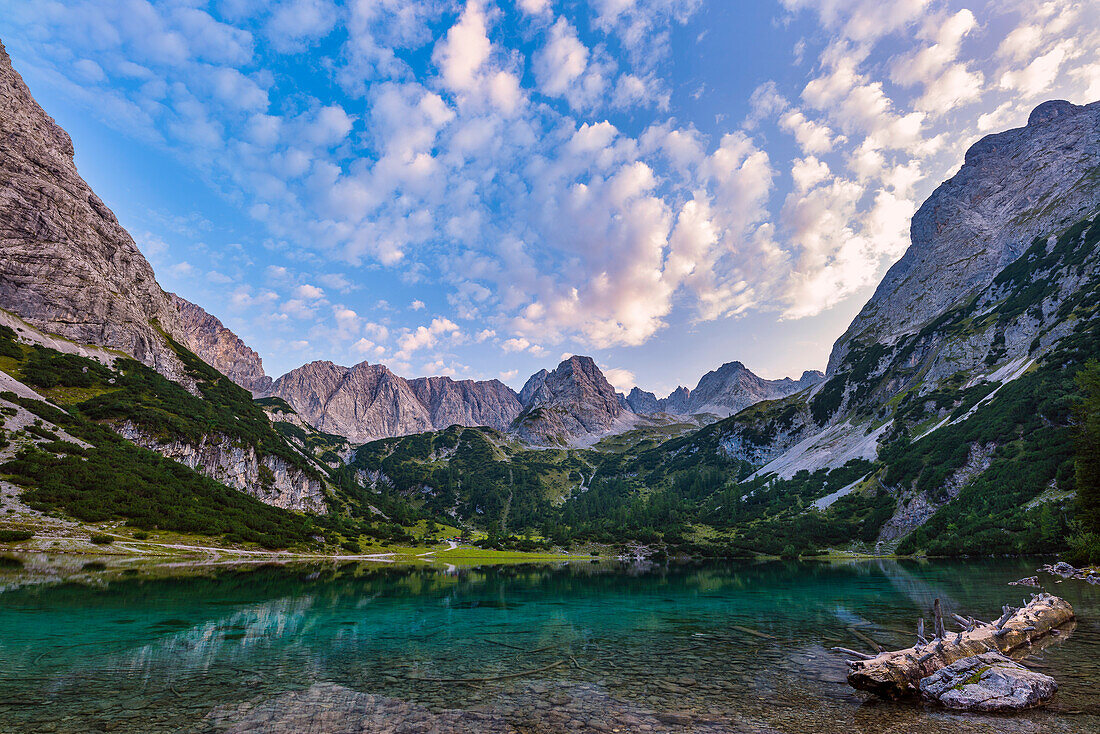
(533, 386)
(213, 343)
(573, 401)
(466, 402)
(270, 479)
(1013, 186)
(988, 683)
(367, 401)
(66, 265)
(642, 401)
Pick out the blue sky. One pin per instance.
(477, 187)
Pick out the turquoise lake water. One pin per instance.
(732, 647)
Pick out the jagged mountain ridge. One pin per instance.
(722, 392)
(573, 401)
(368, 401)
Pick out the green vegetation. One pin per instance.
(1085, 541)
(102, 539)
(9, 347)
(15, 536)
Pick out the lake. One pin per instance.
(726, 647)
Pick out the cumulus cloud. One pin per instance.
(621, 379)
(425, 337)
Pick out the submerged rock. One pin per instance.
(988, 682)
(1066, 571)
(1026, 581)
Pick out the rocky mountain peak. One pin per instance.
(574, 400)
(66, 265)
(1012, 187)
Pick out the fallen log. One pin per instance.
(898, 673)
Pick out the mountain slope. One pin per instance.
(210, 340)
(1013, 186)
(66, 265)
(964, 411)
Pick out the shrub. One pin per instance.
(141, 535)
(101, 539)
(1084, 549)
(15, 536)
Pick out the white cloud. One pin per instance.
(561, 61)
(517, 344)
(466, 48)
(309, 292)
(296, 23)
(621, 379)
(425, 337)
(416, 305)
(534, 7)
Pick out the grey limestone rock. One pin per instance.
(989, 682)
(367, 401)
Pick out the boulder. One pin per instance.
(990, 683)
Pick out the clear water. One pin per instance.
(577, 647)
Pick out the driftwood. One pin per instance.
(898, 673)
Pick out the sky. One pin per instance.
(477, 188)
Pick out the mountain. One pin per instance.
(946, 416)
(1013, 186)
(722, 392)
(368, 401)
(206, 336)
(66, 265)
(573, 401)
(86, 325)
(642, 401)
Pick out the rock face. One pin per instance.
(722, 392)
(66, 265)
(1013, 186)
(574, 400)
(268, 478)
(643, 401)
(207, 337)
(988, 683)
(366, 402)
(532, 386)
